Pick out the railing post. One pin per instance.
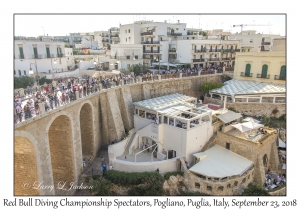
(77, 95)
(42, 108)
(100, 86)
(215, 71)
(140, 79)
(159, 77)
(199, 73)
(180, 75)
(122, 82)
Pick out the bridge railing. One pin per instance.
(72, 96)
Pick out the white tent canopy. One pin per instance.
(250, 119)
(252, 125)
(241, 127)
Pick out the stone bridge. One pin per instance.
(49, 148)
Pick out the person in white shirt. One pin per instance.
(111, 167)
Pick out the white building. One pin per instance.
(250, 41)
(170, 127)
(42, 56)
(127, 55)
(172, 42)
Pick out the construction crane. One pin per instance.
(242, 25)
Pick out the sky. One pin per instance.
(61, 25)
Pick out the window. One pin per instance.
(197, 185)
(251, 40)
(282, 75)
(24, 72)
(227, 145)
(128, 65)
(35, 52)
(49, 71)
(14, 72)
(21, 53)
(235, 183)
(48, 52)
(264, 71)
(243, 50)
(128, 57)
(248, 50)
(126, 39)
(265, 160)
(20, 73)
(59, 54)
(128, 30)
(136, 57)
(247, 71)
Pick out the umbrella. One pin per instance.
(241, 127)
(250, 119)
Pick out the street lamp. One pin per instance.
(31, 72)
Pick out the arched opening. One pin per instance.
(247, 71)
(265, 160)
(229, 186)
(244, 180)
(264, 71)
(220, 189)
(87, 132)
(197, 185)
(236, 183)
(61, 152)
(282, 75)
(209, 188)
(25, 168)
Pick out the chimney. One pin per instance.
(178, 21)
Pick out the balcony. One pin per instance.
(198, 51)
(126, 57)
(116, 35)
(227, 50)
(147, 33)
(263, 76)
(174, 34)
(60, 55)
(21, 56)
(151, 51)
(198, 60)
(105, 35)
(243, 74)
(225, 59)
(172, 50)
(213, 59)
(265, 43)
(237, 50)
(278, 77)
(150, 42)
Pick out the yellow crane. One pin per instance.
(242, 25)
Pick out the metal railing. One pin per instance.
(60, 55)
(21, 56)
(173, 51)
(146, 33)
(225, 59)
(243, 74)
(263, 76)
(213, 59)
(150, 42)
(198, 51)
(278, 77)
(151, 51)
(265, 43)
(198, 60)
(174, 34)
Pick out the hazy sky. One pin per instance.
(56, 25)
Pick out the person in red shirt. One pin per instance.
(47, 89)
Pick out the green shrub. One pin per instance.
(101, 188)
(96, 177)
(124, 178)
(255, 189)
(23, 82)
(206, 87)
(174, 173)
(151, 187)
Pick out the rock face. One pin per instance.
(174, 185)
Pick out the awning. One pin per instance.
(150, 28)
(221, 162)
(137, 52)
(229, 116)
(128, 51)
(281, 143)
(252, 125)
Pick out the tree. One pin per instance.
(255, 189)
(23, 82)
(67, 45)
(206, 87)
(108, 46)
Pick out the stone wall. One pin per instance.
(257, 109)
(25, 168)
(280, 192)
